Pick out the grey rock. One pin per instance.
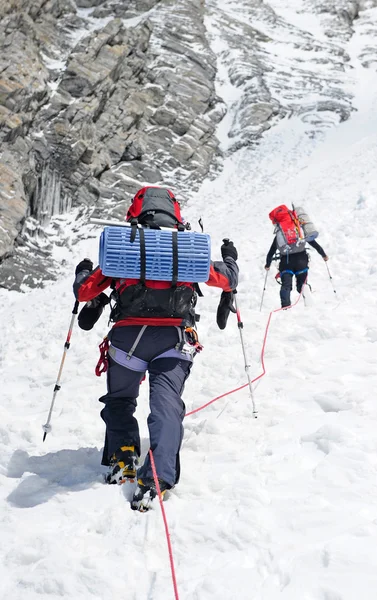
(88, 3)
(94, 104)
(13, 204)
(270, 90)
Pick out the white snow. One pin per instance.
(91, 24)
(279, 508)
(53, 63)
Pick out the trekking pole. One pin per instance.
(264, 289)
(303, 291)
(331, 281)
(47, 427)
(247, 367)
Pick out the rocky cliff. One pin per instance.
(94, 103)
(100, 97)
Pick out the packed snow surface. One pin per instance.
(280, 507)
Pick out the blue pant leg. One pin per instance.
(120, 404)
(167, 377)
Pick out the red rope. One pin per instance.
(165, 524)
(261, 359)
(172, 568)
(215, 399)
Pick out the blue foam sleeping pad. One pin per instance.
(119, 257)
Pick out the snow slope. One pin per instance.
(282, 507)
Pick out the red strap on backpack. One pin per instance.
(103, 361)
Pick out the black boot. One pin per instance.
(123, 465)
(146, 492)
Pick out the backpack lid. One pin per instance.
(156, 207)
(289, 233)
(280, 214)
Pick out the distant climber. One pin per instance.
(293, 230)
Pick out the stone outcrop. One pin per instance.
(281, 69)
(99, 97)
(94, 105)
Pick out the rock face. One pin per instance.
(281, 69)
(100, 97)
(93, 106)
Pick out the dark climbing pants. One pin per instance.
(167, 377)
(290, 266)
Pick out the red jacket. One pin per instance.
(88, 285)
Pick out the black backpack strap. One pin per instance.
(133, 230)
(198, 290)
(174, 239)
(143, 260)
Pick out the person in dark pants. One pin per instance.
(168, 370)
(154, 331)
(290, 265)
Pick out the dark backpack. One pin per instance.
(155, 207)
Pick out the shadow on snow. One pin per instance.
(53, 473)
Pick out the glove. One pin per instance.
(102, 299)
(325, 258)
(91, 312)
(228, 249)
(224, 308)
(84, 265)
(267, 268)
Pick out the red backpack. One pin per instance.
(155, 207)
(289, 234)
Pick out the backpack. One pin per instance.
(157, 246)
(155, 207)
(310, 232)
(290, 237)
(156, 271)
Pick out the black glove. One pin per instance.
(228, 249)
(224, 308)
(91, 312)
(84, 265)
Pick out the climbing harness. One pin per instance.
(187, 347)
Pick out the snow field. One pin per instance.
(278, 508)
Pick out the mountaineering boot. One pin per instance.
(146, 492)
(123, 465)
